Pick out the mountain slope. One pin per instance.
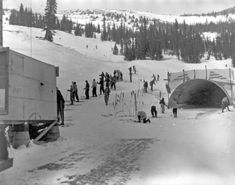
(98, 146)
(79, 59)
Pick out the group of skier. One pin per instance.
(106, 82)
(151, 83)
(142, 116)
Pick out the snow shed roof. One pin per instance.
(199, 93)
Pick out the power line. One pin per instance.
(31, 43)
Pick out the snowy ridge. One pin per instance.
(117, 16)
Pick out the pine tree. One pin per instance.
(226, 49)
(63, 23)
(98, 29)
(21, 15)
(176, 38)
(78, 30)
(50, 19)
(104, 32)
(218, 48)
(114, 33)
(13, 17)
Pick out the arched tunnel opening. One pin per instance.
(199, 93)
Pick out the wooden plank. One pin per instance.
(6, 164)
(44, 132)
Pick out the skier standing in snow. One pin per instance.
(174, 107)
(60, 106)
(151, 84)
(113, 82)
(101, 82)
(145, 86)
(134, 69)
(163, 104)
(75, 87)
(71, 90)
(115, 74)
(106, 95)
(107, 79)
(87, 88)
(121, 76)
(153, 111)
(225, 103)
(130, 73)
(94, 85)
(154, 79)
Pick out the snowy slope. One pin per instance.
(97, 147)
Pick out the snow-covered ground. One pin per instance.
(103, 145)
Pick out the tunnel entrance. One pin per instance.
(199, 93)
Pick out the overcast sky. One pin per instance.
(173, 7)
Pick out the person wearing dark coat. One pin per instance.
(72, 92)
(60, 107)
(153, 111)
(174, 107)
(134, 69)
(151, 84)
(163, 104)
(106, 95)
(130, 73)
(225, 104)
(121, 76)
(107, 79)
(75, 91)
(101, 83)
(113, 83)
(94, 85)
(145, 86)
(142, 116)
(87, 88)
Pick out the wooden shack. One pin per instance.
(27, 94)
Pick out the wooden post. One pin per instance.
(1, 30)
(168, 81)
(135, 104)
(5, 162)
(3, 144)
(183, 76)
(194, 74)
(36, 140)
(122, 99)
(206, 71)
(231, 84)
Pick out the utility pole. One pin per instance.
(1, 30)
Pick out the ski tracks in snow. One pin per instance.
(117, 162)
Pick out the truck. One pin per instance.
(27, 101)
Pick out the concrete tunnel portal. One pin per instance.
(199, 93)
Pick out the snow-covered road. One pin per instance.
(97, 148)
